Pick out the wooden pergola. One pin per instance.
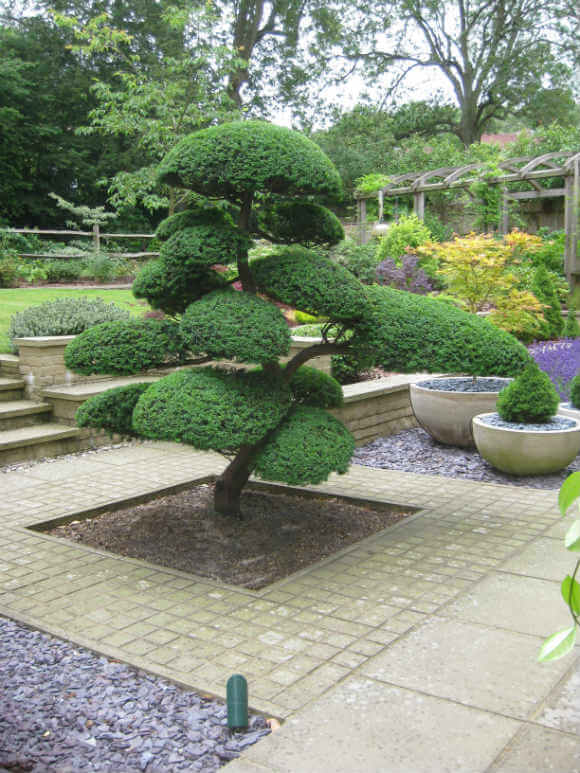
(528, 170)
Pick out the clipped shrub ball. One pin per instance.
(309, 445)
(172, 290)
(311, 386)
(236, 326)
(311, 283)
(63, 317)
(303, 222)
(124, 347)
(202, 246)
(530, 398)
(203, 213)
(111, 410)
(575, 391)
(409, 333)
(212, 408)
(237, 158)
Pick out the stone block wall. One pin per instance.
(378, 408)
(41, 364)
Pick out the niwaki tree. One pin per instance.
(269, 418)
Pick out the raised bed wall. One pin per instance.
(371, 409)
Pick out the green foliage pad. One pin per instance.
(240, 158)
(112, 410)
(307, 448)
(211, 408)
(124, 347)
(236, 326)
(311, 283)
(408, 333)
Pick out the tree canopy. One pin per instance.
(268, 417)
(497, 57)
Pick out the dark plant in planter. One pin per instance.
(530, 398)
(268, 418)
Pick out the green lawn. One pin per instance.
(14, 300)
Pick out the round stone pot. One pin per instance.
(444, 407)
(520, 451)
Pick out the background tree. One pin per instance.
(270, 418)
(498, 57)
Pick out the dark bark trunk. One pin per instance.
(229, 485)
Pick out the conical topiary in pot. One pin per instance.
(530, 398)
(525, 436)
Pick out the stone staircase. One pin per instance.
(27, 428)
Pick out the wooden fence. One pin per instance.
(96, 235)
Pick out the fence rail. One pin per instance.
(96, 236)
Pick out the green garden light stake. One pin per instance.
(237, 698)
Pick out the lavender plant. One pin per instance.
(407, 276)
(560, 360)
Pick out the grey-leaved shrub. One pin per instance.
(62, 317)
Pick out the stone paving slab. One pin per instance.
(396, 730)
(434, 617)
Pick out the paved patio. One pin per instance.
(414, 650)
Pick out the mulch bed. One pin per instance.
(279, 534)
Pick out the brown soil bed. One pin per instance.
(279, 534)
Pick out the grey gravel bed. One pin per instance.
(414, 450)
(64, 710)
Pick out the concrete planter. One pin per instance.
(526, 452)
(446, 414)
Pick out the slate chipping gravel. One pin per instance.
(65, 709)
(414, 450)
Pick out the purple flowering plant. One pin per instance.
(407, 276)
(560, 360)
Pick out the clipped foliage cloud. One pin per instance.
(236, 326)
(124, 347)
(409, 333)
(308, 446)
(112, 410)
(244, 157)
(311, 283)
(211, 408)
(303, 222)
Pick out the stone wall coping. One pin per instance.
(43, 342)
(399, 382)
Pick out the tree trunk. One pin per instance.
(229, 485)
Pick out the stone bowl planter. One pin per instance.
(527, 449)
(445, 407)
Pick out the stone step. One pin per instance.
(66, 399)
(38, 441)
(23, 413)
(11, 389)
(9, 366)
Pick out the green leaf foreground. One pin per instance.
(571, 594)
(572, 538)
(569, 492)
(557, 645)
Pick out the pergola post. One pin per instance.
(571, 225)
(419, 204)
(362, 221)
(505, 214)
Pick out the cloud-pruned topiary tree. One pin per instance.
(268, 417)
